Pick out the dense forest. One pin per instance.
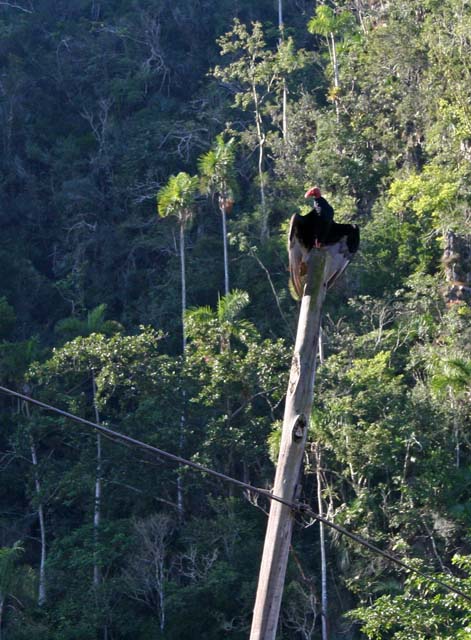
(152, 154)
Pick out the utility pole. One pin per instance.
(321, 263)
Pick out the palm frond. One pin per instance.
(231, 305)
(69, 327)
(177, 196)
(216, 168)
(453, 374)
(96, 318)
(94, 323)
(199, 315)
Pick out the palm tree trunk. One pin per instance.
(281, 28)
(181, 438)
(263, 202)
(336, 74)
(320, 509)
(224, 241)
(98, 492)
(183, 279)
(97, 502)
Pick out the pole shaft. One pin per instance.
(295, 427)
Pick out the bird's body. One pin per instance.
(317, 230)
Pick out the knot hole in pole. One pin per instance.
(299, 428)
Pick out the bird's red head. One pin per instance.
(313, 192)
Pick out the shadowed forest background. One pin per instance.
(129, 132)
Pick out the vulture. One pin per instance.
(315, 230)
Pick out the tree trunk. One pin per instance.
(97, 497)
(183, 279)
(295, 426)
(42, 591)
(456, 261)
(181, 435)
(2, 604)
(285, 111)
(456, 429)
(320, 509)
(224, 240)
(97, 511)
(261, 155)
(42, 529)
(263, 202)
(336, 74)
(161, 576)
(281, 28)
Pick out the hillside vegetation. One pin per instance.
(151, 144)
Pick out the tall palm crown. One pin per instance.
(217, 170)
(217, 173)
(177, 197)
(224, 323)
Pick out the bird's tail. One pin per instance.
(353, 239)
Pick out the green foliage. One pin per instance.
(238, 374)
(430, 195)
(17, 583)
(217, 169)
(423, 611)
(8, 558)
(177, 197)
(327, 21)
(253, 63)
(108, 107)
(452, 375)
(94, 323)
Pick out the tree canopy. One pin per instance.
(117, 121)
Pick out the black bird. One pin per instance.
(317, 230)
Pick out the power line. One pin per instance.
(121, 437)
(116, 436)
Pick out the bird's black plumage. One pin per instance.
(316, 230)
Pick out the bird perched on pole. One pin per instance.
(317, 229)
(325, 213)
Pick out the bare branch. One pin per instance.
(13, 5)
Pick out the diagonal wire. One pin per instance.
(121, 438)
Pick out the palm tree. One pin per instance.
(94, 323)
(333, 26)
(225, 320)
(217, 177)
(211, 333)
(177, 198)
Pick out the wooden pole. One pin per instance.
(295, 426)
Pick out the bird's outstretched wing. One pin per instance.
(342, 253)
(296, 253)
(342, 244)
